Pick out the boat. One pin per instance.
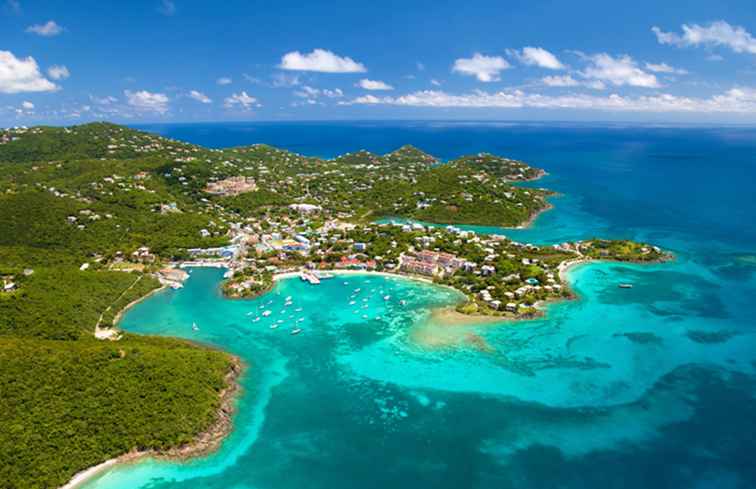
(364, 316)
(402, 302)
(296, 331)
(195, 327)
(273, 326)
(256, 319)
(288, 298)
(266, 313)
(625, 286)
(280, 321)
(386, 297)
(351, 303)
(298, 309)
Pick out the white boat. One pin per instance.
(298, 309)
(351, 303)
(266, 313)
(256, 319)
(402, 302)
(386, 297)
(625, 286)
(364, 316)
(273, 326)
(280, 321)
(195, 327)
(296, 331)
(300, 320)
(288, 298)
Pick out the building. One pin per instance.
(420, 267)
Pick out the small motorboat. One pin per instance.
(195, 327)
(386, 297)
(296, 331)
(256, 319)
(351, 303)
(298, 309)
(267, 313)
(402, 302)
(625, 286)
(273, 326)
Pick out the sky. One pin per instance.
(682, 61)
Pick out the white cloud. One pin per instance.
(107, 100)
(737, 100)
(718, 33)
(147, 101)
(374, 85)
(569, 81)
(199, 97)
(313, 93)
(560, 81)
(320, 60)
(665, 68)
(224, 80)
(48, 29)
(537, 57)
(167, 7)
(618, 71)
(239, 99)
(19, 75)
(435, 82)
(58, 72)
(484, 68)
(283, 80)
(27, 105)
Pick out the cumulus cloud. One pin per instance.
(484, 68)
(143, 100)
(19, 75)
(320, 60)
(283, 80)
(58, 72)
(48, 29)
(224, 80)
(665, 68)
(737, 100)
(619, 71)
(241, 99)
(435, 82)
(537, 57)
(312, 94)
(569, 81)
(718, 33)
(374, 85)
(27, 105)
(107, 100)
(199, 97)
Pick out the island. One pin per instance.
(96, 217)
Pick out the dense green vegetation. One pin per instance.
(68, 405)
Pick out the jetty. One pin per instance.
(309, 277)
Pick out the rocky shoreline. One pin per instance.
(205, 443)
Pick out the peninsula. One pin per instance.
(95, 217)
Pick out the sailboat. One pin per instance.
(195, 327)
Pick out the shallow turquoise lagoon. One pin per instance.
(645, 387)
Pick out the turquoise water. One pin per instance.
(645, 387)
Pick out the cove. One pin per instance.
(647, 387)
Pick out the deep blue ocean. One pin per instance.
(651, 387)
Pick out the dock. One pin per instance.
(309, 277)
